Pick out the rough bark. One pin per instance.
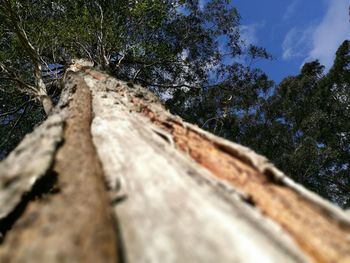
(131, 182)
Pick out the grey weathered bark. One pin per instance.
(112, 176)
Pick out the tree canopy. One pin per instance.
(176, 48)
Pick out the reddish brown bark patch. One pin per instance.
(95, 74)
(323, 238)
(75, 224)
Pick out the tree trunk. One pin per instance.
(112, 176)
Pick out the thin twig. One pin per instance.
(137, 73)
(211, 119)
(15, 110)
(26, 87)
(13, 127)
(120, 60)
(85, 49)
(165, 85)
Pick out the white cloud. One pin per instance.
(249, 33)
(297, 43)
(202, 4)
(290, 10)
(322, 40)
(331, 32)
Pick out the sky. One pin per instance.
(294, 31)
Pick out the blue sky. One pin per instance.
(294, 31)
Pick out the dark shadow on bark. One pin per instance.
(122, 257)
(45, 185)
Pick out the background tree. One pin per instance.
(304, 127)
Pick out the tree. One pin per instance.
(292, 111)
(335, 133)
(110, 147)
(303, 127)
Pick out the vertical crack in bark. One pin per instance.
(120, 246)
(98, 81)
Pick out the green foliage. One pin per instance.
(304, 127)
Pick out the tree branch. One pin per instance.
(12, 76)
(15, 22)
(15, 110)
(85, 49)
(165, 85)
(104, 59)
(13, 127)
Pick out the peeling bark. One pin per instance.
(169, 208)
(176, 192)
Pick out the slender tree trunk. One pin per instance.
(112, 176)
(15, 23)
